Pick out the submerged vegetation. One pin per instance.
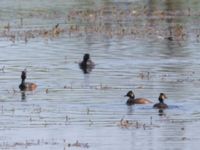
(111, 19)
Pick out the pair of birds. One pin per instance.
(86, 65)
(132, 100)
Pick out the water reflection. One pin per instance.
(86, 80)
(161, 112)
(23, 96)
(149, 9)
(130, 110)
(86, 70)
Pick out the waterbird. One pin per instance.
(87, 64)
(26, 86)
(132, 100)
(161, 104)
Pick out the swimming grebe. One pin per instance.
(26, 86)
(161, 104)
(132, 100)
(87, 64)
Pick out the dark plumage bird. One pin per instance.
(170, 38)
(132, 100)
(161, 104)
(87, 64)
(26, 86)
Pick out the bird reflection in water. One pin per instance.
(161, 112)
(23, 96)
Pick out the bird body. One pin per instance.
(87, 64)
(161, 104)
(26, 86)
(132, 100)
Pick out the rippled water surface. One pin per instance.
(73, 110)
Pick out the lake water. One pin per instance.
(127, 41)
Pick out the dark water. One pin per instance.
(72, 110)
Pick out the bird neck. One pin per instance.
(23, 81)
(161, 100)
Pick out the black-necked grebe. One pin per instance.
(87, 64)
(161, 104)
(132, 100)
(26, 86)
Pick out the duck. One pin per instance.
(87, 64)
(161, 104)
(26, 86)
(132, 100)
